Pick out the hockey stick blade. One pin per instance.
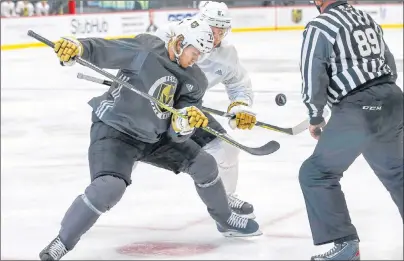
(290, 131)
(264, 150)
(268, 148)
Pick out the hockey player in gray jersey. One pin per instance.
(223, 66)
(127, 128)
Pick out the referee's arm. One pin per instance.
(314, 64)
(388, 56)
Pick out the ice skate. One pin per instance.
(241, 207)
(345, 251)
(54, 251)
(238, 226)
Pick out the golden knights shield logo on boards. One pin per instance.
(297, 15)
(163, 90)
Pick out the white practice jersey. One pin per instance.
(42, 8)
(8, 9)
(24, 9)
(222, 66)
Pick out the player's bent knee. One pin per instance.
(203, 168)
(226, 155)
(305, 176)
(231, 154)
(313, 173)
(104, 192)
(309, 173)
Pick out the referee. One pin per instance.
(346, 64)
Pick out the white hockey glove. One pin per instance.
(243, 116)
(66, 49)
(185, 126)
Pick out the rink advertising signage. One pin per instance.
(132, 24)
(128, 24)
(86, 26)
(14, 31)
(180, 16)
(378, 13)
(261, 19)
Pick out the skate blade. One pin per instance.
(238, 234)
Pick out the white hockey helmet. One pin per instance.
(195, 32)
(216, 14)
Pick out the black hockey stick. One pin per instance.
(266, 149)
(290, 131)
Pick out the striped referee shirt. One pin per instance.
(343, 49)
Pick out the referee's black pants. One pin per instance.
(368, 122)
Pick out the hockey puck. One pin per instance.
(280, 99)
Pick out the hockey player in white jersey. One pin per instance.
(223, 66)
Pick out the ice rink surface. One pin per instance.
(45, 136)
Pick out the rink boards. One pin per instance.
(128, 24)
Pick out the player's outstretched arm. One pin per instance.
(112, 54)
(238, 82)
(389, 58)
(239, 90)
(108, 54)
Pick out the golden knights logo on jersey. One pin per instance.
(194, 24)
(163, 90)
(297, 15)
(166, 94)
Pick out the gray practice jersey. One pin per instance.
(143, 62)
(343, 49)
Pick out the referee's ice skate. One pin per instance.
(348, 250)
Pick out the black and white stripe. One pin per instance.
(309, 46)
(352, 63)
